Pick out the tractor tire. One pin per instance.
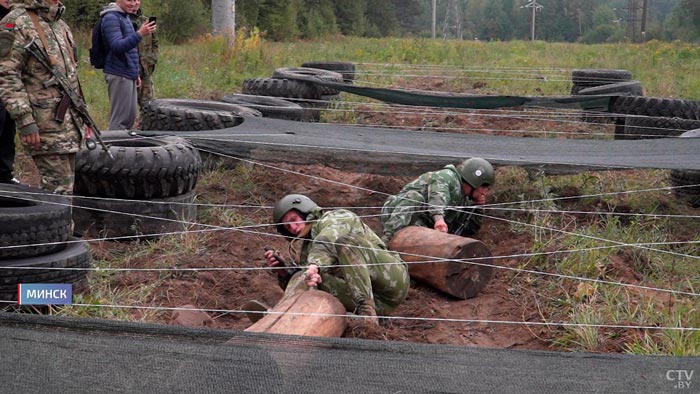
(649, 127)
(346, 69)
(142, 167)
(597, 77)
(269, 107)
(32, 222)
(275, 87)
(324, 75)
(657, 107)
(192, 115)
(45, 269)
(142, 219)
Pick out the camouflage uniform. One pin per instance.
(430, 195)
(148, 57)
(368, 271)
(29, 96)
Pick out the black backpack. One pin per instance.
(98, 50)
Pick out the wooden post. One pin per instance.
(299, 313)
(457, 278)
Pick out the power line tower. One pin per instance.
(633, 18)
(453, 20)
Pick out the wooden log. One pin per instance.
(457, 278)
(304, 311)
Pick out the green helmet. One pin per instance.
(298, 202)
(477, 172)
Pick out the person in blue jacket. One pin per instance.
(122, 64)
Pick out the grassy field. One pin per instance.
(203, 69)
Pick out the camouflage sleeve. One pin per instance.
(148, 48)
(440, 191)
(12, 59)
(154, 49)
(326, 235)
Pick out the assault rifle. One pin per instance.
(69, 96)
(460, 224)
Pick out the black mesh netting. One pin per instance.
(402, 152)
(44, 354)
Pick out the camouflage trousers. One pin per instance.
(146, 92)
(57, 172)
(402, 211)
(366, 273)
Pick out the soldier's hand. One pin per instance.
(32, 140)
(311, 276)
(89, 133)
(273, 262)
(440, 225)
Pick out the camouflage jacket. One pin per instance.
(328, 230)
(440, 189)
(26, 89)
(148, 47)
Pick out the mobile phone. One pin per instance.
(151, 19)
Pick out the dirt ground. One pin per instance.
(230, 290)
(501, 301)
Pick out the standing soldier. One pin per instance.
(432, 200)
(51, 133)
(343, 256)
(7, 127)
(148, 57)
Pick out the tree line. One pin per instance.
(587, 21)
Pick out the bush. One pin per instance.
(178, 20)
(82, 14)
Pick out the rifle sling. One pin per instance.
(42, 35)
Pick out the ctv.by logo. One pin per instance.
(681, 377)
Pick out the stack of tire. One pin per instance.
(35, 240)
(655, 117)
(288, 83)
(684, 180)
(604, 81)
(192, 115)
(145, 189)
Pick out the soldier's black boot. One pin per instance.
(367, 309)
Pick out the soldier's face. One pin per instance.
(293, 222)
(5, 3)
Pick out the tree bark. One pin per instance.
(304, 311)
(420, 246)
(223, 19)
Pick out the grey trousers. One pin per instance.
(122, 100)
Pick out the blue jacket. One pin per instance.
(122, 41)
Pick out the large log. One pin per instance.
(451, 272)
(303, 311)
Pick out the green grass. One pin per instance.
(204, 69)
